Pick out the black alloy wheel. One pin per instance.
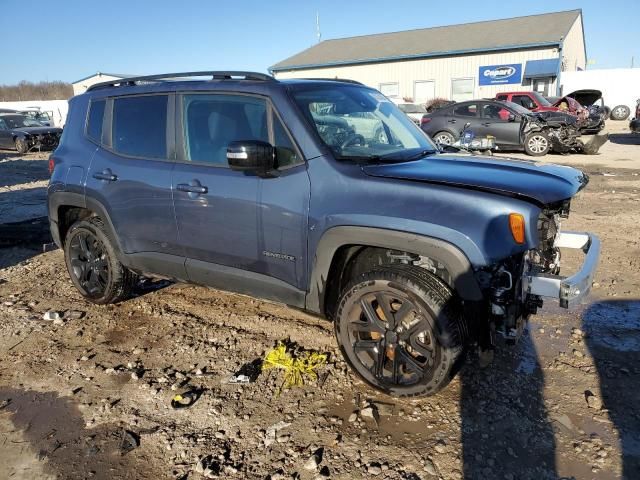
(93, 263)
(400, 329)
(89, 263)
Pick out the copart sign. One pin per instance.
(500, 74)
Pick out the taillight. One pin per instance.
(424, 120)
(52, 164)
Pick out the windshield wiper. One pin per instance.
(421, 154)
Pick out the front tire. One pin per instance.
(21, 145)
(400, 328)
(93, 264)
(537, 144)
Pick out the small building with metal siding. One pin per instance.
(458, 62)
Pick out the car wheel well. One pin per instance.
(68, 215)
(350, 261)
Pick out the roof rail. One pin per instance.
(344, 80)
(214, 74)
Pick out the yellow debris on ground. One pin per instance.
(297, 369)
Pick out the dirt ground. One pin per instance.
(88, 395)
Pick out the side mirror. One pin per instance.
(512, 117)
(252, 156)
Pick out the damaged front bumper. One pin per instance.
(568, 290)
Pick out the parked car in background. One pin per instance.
(247, 183)
(414, 111)
(45, 118)
(23, 134)
(634, 126)
(620, 87)
(532, 101)
(513, 126)
(586, 105)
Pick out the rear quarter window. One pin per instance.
(95, 120)
(140, 126)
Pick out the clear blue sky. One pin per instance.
(73, 39)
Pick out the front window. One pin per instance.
(20, 121)
(358, 122)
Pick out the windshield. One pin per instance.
(358, 122)
(19, 121)
(540, 99)
(412, 108)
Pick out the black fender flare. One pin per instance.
(457, 263)
(71, 199)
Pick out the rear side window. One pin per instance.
(501, 97)
(94, 123)
(211, 122)
(140, 126)
(466, 110)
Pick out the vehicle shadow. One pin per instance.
(505, 430)
(20, 241)
(22, 170)
(625, 138)
(612, 331)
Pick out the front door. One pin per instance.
(238, 231)
(500, 122)
(130, 175)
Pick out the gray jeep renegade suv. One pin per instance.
(319, 194)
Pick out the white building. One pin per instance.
(457, 62)
(80, 86)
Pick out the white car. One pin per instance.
(413, 110)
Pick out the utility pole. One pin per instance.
(318, 34)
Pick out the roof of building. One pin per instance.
(531, 31)
(104, 74)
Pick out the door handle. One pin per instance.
(452, 121)
(185, 187)
(105, 175)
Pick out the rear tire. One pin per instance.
(21, 145)
(620, 112)
(93, 264)
(400, 328)
(537, 144)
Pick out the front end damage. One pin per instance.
(516, 286)
(564, 132)
(42, 141)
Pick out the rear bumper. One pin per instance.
(569, 290)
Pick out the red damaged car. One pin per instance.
(587, 105)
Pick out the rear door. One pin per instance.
(130, 175)
(495, 120)
(465, 113)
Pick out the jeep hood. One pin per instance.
(541, 183)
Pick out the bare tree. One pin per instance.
(36, 91)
